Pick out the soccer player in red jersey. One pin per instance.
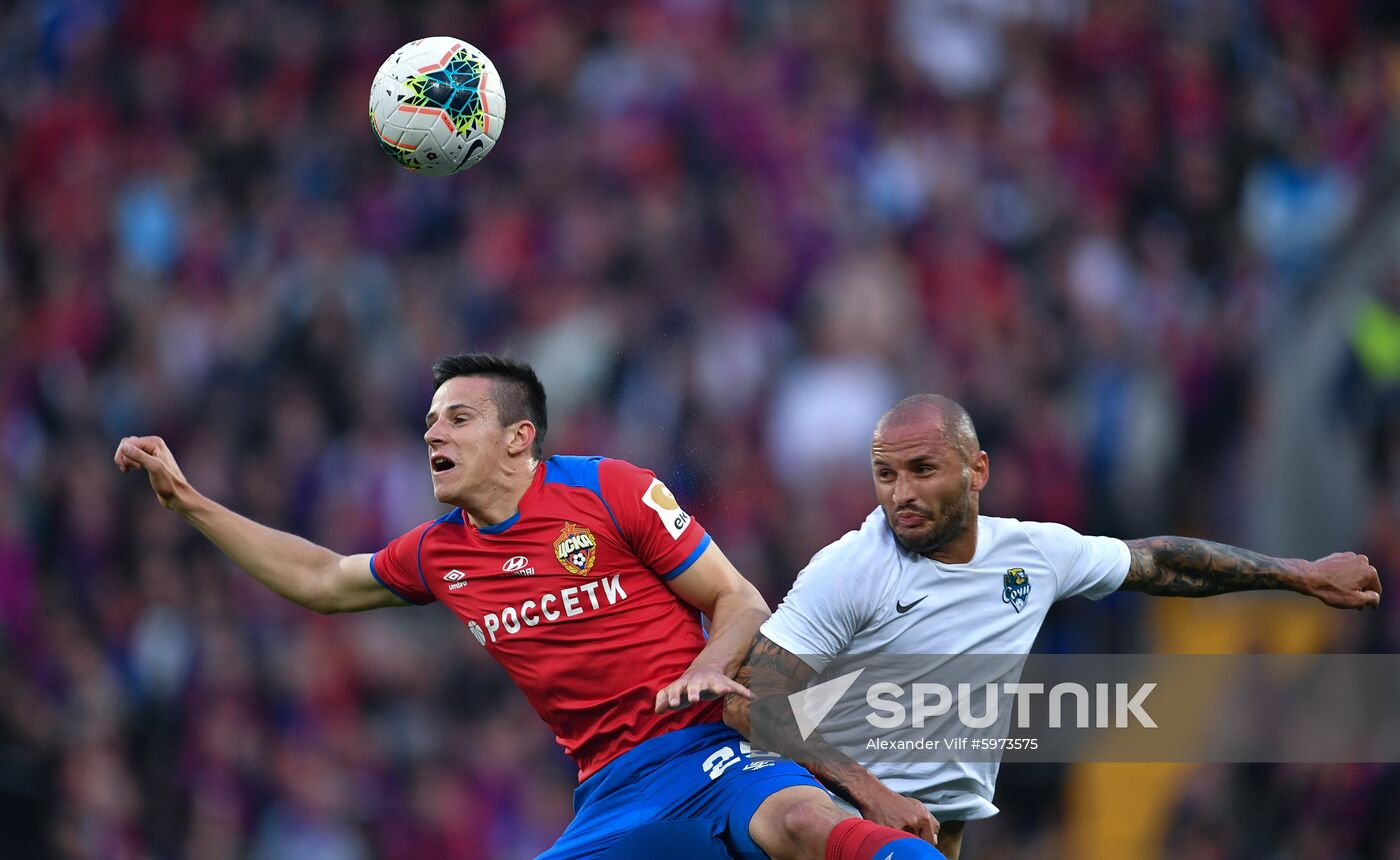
(585, 580)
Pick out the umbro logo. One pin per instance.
(457, 578)
(902, 608)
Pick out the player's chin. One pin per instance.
(441, 490)
(916, 540)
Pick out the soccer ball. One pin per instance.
(437, 105)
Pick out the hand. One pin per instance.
(697, 685)
(152, 454)
(882, 806)
(1344, 580)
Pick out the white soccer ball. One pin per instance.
(437, 105)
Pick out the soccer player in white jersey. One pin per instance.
(926, 574)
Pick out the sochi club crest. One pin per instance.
(576, 549)
(1016, 587)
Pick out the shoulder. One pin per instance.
(453, 517)
(427, 535)
(571, 471)
(1045, 537)
(865, 553)
(1062, 547)
(842, 586)
(595, 473)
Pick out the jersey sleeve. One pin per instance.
(665, 538)
(396, 567)
(1094, 567)
(827, 605)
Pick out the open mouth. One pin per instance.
(441, 464)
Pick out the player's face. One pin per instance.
(927, 487)
(466, 442)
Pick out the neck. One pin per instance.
(499, 500)
(961, 547)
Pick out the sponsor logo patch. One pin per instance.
(659, 499)
(518, 565)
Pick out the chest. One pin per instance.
(570, 547)
(939, 609)
(542, 573)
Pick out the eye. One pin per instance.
(924, 470)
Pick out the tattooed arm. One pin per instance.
(772, 673)
(1186, 567)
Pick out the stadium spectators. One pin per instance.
(725, 233)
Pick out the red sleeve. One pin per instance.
(396, 567)
(664, 537)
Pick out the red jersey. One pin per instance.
(569, 595)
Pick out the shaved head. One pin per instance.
(941, 415)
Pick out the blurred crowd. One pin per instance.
(728, 233)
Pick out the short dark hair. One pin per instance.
(516, 390)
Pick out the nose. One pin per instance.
(902, 490)
(432, 434)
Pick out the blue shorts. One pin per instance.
(699, 772)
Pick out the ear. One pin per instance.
(981, 471)
(520, 436)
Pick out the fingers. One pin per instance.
(1373, 578)
(928, 825)
(714, 688)
(671, 697)
(137, 452)
(686, 691)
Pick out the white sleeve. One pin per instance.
(827, 605)
(1094, 567)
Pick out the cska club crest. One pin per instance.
(576, 549)
(1016, 587)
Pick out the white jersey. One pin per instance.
(864, 594)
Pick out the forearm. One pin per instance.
(293, 567)
(778, 732)
(733, 626)
(1187, 567)
(772, 674)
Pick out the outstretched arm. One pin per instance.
(295, 568)
(773, 673)
(1187, 567)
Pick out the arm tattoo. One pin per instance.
(770, 669)
(1186, 567)
(772, 673)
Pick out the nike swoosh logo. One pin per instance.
(901, 608)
